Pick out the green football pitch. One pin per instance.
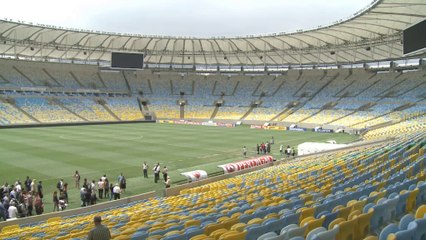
(51, 153)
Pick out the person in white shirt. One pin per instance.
(13, 211)
(168, 182)
(101, 188)
(33, 186)
(288, 151)
(18, 187)
(145, 170)
(165, 171)
(93, 186)
(281, 149)
(156, 170)
(117, 191)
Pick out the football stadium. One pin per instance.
(315, 134)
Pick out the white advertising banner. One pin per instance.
(195, 175)
(245, 164)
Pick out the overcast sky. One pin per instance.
(197, 18)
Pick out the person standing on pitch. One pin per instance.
(117, 191)
(77, 179)
(245, 151)
(156, 170)
(168, 182)
(101, 188)
(145, 170)
(165, 170)
(100, 232)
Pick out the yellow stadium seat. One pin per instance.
(411, 200)
(233, 235)
(255, 221)
(371, 238)
(212, 227)
(239, 227)
(305, 212)
(335, 222)
(217, 233)
(421, 211)
(354, 214)
(202, 237)
(230, 222)
(343, 212)
(364, 223)
(192, 223)
(347, 230)
(153, 237)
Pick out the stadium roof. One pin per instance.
(372, 34)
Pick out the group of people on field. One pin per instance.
(157, 170)
(90, 192)
(262, 148)
(288, 151)
(21, 200)
(265, 148)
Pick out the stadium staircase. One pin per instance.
(182, 111)
(293, 110)
(150, 86)
(278, 88)
(247, 113)
(367, 88)
(61, 105)
(214, 88)
(411, 89)
(25, 76)
(389, 92)
(12, 102)
(329, 105)
(255, 90)
(343, 92)
(104, 105)
(52, 78)
(298, 90)
(216, 109)
(284, 113)
(76, 79)
(3, 80)
(235, 88)
(171, 88)
(101, 80)
(145, 107)
(193, 88)
(400, 108)
(127, 82)
(362, 108)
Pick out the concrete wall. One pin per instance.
(74, 124)
(89, 209)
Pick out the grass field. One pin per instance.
(51, 153)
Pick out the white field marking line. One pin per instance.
(99, 140)
(85, 173)
(235, 152)
(210, 155)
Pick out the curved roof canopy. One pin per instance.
(372, 34)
